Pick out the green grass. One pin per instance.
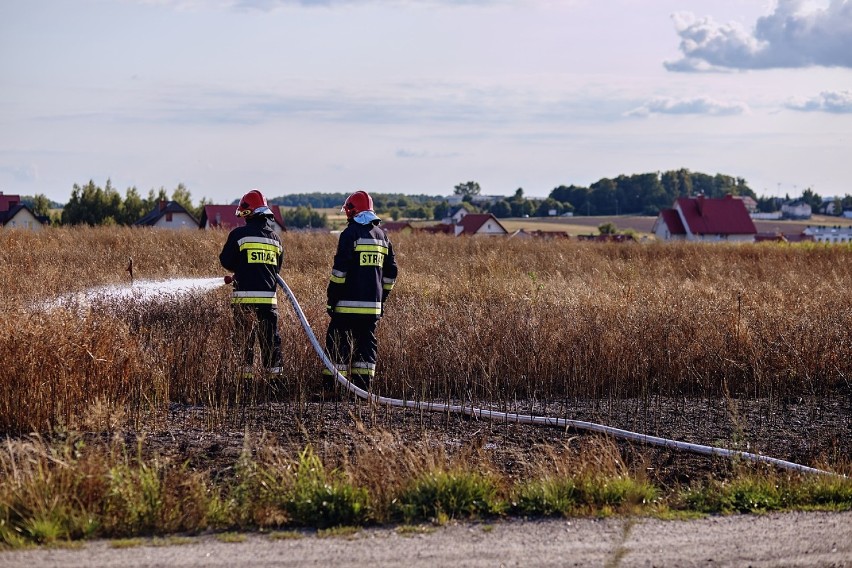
(231, 537)
(451, 494)
(767, 493)
(565, 496)
(106, 494)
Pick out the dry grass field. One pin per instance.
(488, 320)
(642, 225)
(743, 346)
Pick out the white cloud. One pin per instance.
(698, 105)
(827, 101)
(794, 35)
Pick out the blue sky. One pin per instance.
(416, 96)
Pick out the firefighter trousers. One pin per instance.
(351, 344)
(258, 323)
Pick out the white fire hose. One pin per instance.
(498, 416)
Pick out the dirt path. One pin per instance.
(790, 539)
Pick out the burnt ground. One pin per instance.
(815, 432)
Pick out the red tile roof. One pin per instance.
(706, 216)
(392, 226)
(672, 221)
(440, 228)
(225, 217)
(472, 222)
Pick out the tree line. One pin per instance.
(637, 194)
(91, 204)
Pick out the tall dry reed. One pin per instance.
(493, 321)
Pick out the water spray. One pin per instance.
(513, 417)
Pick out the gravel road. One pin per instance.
(788, 539)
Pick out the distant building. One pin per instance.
(796, 210)
(17, 215)
(480, 224)
(829, 234)
(537, 234)
(169, 215)
(477, 200)
(782, 238)
(454, 215)
(750, 203)
(705, 219)
(827, 206)
(772, 216)
(225, 217)
(397, 227)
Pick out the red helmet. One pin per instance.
(250, 202)
(356, 203)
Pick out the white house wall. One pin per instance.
(179, 221)
(490, 228)
(23, 219)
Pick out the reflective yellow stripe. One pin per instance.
(260, 246)
(371, 248)
(369, 372)
(338, 279)
(362, 311)
(254, 300)
(387, 286)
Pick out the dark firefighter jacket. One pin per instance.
(364, 271)
(254, 254)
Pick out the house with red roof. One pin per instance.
(17, 215)
(439, 229)
(225, 217)
(539, 234)
(479, 224)
(705, 219)
(397, 227)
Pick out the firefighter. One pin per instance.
(254, 254)
(363, 275)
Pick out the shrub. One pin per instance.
(453, 494)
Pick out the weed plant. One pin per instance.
(56, 492)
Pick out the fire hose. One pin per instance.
(512, 417)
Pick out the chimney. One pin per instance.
(162, 204)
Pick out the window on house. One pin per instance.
(168, 217)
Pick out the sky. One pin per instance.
(417, 96)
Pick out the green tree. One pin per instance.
(812, 198)
(607, 229)
(501, 209)
(41, 205)
(182, 196)
(548, 205)
(134, 207)
(467, 189)
(440, 210)
(418, 212)
(92, 205)
(304, 217)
